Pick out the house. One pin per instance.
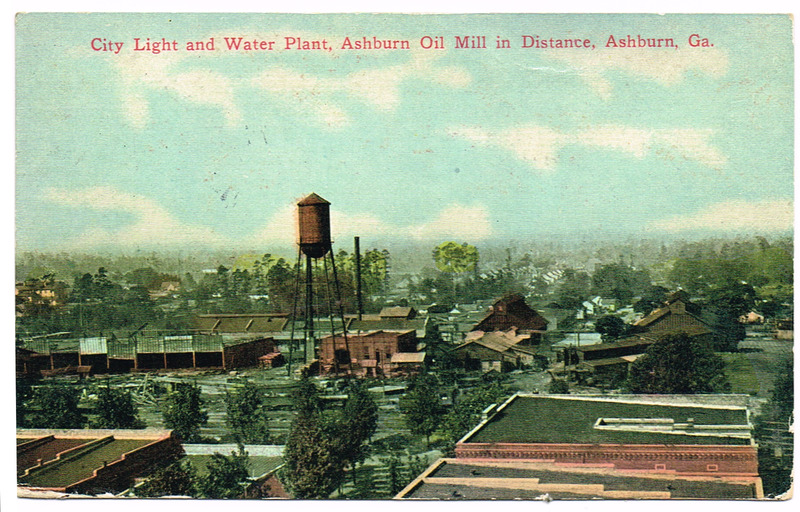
(365, 354)
(751, 317)
(601, 363)
(784, 330)
(497, 350)
(90, 461)
(512, 312)
(608, 447)
(33, 295)
(164, 289)
(677, 314)
(409, 363)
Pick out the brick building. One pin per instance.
(583, 447)
(365, 354)
(90, 461)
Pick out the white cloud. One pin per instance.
(665, 66)
(767, 215)
(539, 145)
(152, 224)
(143, 72)
(468, 223)
(378, 87)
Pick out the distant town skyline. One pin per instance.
(122, 148)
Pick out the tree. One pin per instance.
(573, 289)
(455, 258)
(226, 478)
(322, 443)
(422, 406)
(115, 409)
(246, 415)
(772, 430)
(24, 393)
(313, 456)
(678, 364)
(652, 297)
(57, 407)
(314, 467)
(466, 413)
(306, 398)
(183, 412)
(176, 479)
(734, 299)
(359, 420)
(619, 281)
(610, 327)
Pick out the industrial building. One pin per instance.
(585, 447)
(108, 354)
(90, 461)
(368, 354)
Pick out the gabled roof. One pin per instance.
(673, 306)
(514, 309)
(499, 341)
(398, 312)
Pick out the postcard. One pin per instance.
(404, 256)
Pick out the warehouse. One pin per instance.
(109, 354)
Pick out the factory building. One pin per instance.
(90, 461)
(588, 447)
(145, 353)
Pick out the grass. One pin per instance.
(740, 373)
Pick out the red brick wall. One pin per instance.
(368, 346)
(247, 354)
(685, 459)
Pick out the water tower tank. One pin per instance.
(314, 226)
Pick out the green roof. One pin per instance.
(572, 419)
(82, 466)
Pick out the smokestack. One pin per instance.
(359, 304)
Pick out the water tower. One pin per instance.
(314, 241)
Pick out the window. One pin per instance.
(712, 467)
(661, 467)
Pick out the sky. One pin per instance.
(212, 149)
